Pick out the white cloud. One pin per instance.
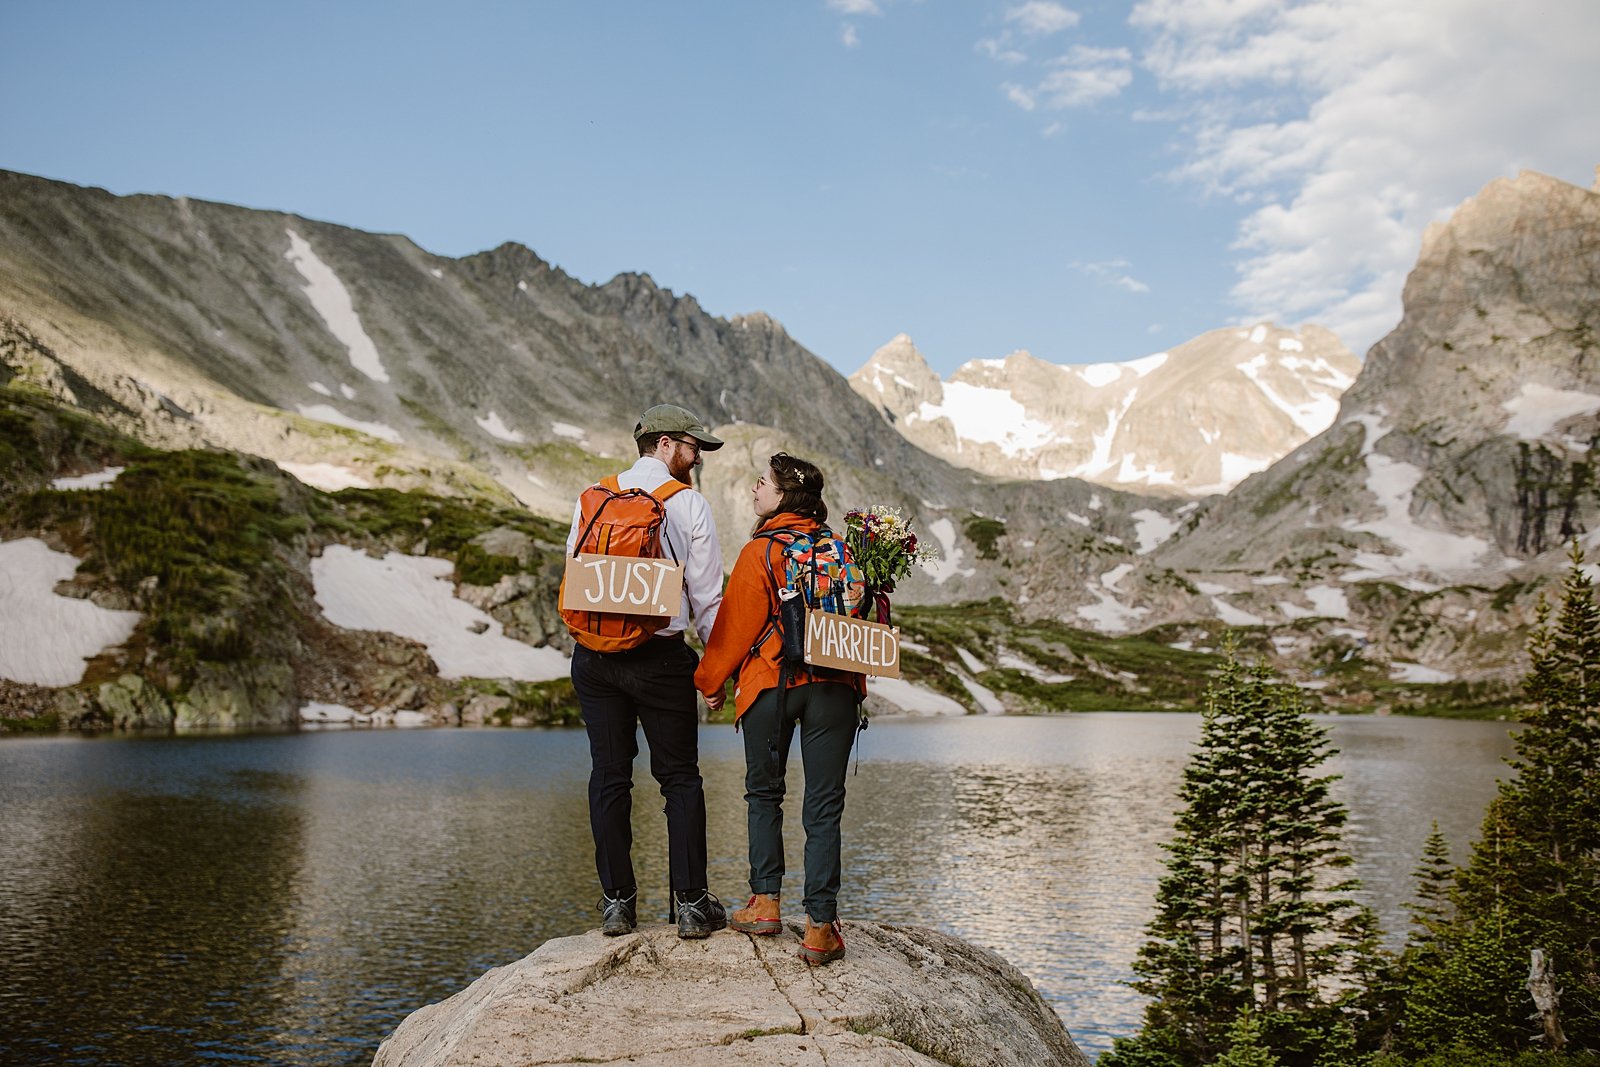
(856, 7)
(1086, 75)
(1082, 76)
(1000, 49)
(849, 36)
(1349, 125)
(1042, 17)
(1112, 271)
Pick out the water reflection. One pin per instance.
(114, 902)
(288, 899)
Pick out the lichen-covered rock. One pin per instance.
(131, 702)
(902, 995)
(238, 694)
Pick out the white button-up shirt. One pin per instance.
(690, 536)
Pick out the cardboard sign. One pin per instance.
(852, 644)
(626, 585)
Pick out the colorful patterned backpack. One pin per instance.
(819, 572)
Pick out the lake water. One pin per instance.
(287, 899)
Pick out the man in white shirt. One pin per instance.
(653, 686)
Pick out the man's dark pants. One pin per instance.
(650, 686)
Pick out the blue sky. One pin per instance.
(1088, 181)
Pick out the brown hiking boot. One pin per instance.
(760, 916)
(822, 944)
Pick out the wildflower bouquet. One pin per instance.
(883, 545)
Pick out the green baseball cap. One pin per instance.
(670, 418)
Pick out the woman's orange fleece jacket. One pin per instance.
(748, 605)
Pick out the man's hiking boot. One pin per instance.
(760, 916)
(699, 914)
(823, 943)
(619, 914)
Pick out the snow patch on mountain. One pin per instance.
(985, 697)
(1391, 483)
(1153, 528)
(1312, 416)
(1329, 600)
(1100, 375)
(988, 416)
(330, 414)
(46, 638)
(332, 301)
(495, 426)
(1101, 460)
(913, 699)
(1416, 672)
(414, 597)
(948, 565)
(1015, 662)
(100, 479)
(1110, 615)
(566, 429)
(329, 477)
(1233, 616)
(1111, 577)
(1536, 410)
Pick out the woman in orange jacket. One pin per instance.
(821, 702)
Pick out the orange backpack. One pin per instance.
(614, 521)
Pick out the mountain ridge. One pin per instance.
(1192, 421)
(1412, 532)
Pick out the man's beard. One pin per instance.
(683, 472)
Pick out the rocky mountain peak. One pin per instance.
(1192, 421)
(1473, 341)
(897, 379)
(1463, 456)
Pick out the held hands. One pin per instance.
(715, 700)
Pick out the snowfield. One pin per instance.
(46, 638)
(493, 425)
(94, 480)
(328, 477)
(414, 597)
(988, 416)
(1535, 411)
(332, 301)
(332, 415)
(1391, 483)
(1110, 615)
(913, 699)
(948, 565)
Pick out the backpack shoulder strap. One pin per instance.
(610, 482)
(783, 537)
(668, 489)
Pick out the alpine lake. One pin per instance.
(289, 898)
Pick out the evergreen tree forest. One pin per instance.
(1259, 953)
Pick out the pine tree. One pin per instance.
(1252, 915)
(1435, 877)
(1245, 1048)
(1534, 877)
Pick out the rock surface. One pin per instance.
(903, 995)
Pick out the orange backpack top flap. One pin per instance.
(613, 521)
